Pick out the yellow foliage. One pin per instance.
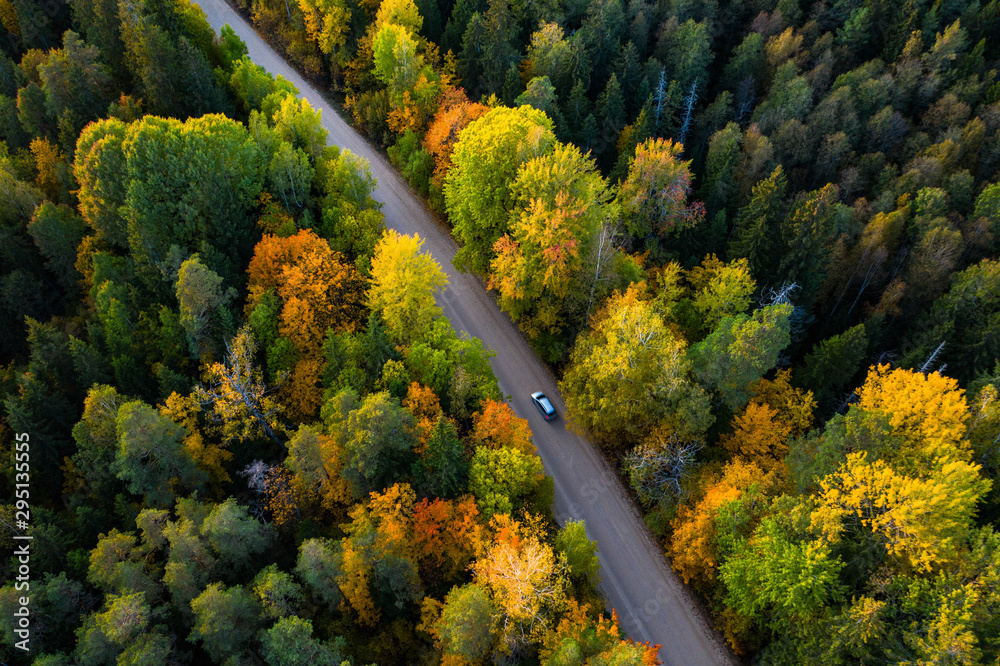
(758, 436)
(48, 157)
(405, 281)
(928, 411)
(794, 406)
(919, 521)
(209, 457)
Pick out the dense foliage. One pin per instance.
(760, 241)
(253, 437)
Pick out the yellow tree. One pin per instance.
(794, 406)
(928, 411)
(207, 455)
(923, 522)
(629, 374)
(326, 23)
(241, 402)
(720, 289)
(405, 282)
(758, 436)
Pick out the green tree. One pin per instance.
(290, 643)
(57, 232)
(442, 468)
(298, 123)
(739, 351)
(77, 87)
(226, 620)
(477, 189)
(151, 457)
(117, 565)
(834, 361)
(378, 443)
(253, 84)
(501, 479)
(319, 567)
(96, 439)
(290, 176)
(629, 374)
(279, 595)
(580, 553)
(203, 303)
(782, 575)
(963, 319)
(807, 232)
(720, 168)
(602, 32)
(215, 172)
(100, 169)
(465, 625)
(235, 536)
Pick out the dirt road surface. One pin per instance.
(652, 604)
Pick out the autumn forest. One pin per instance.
(757, 241)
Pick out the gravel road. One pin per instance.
(651, 602)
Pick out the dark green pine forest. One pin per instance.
(758, 241)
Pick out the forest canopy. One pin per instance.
(758, 241)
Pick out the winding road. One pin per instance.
(652, 604)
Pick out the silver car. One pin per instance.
(543, 405)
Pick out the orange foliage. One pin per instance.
(302, 394)
(454, 114)
(497, 425)
(423, 403)
(318, 291)
(445, 534)
(693, 544)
